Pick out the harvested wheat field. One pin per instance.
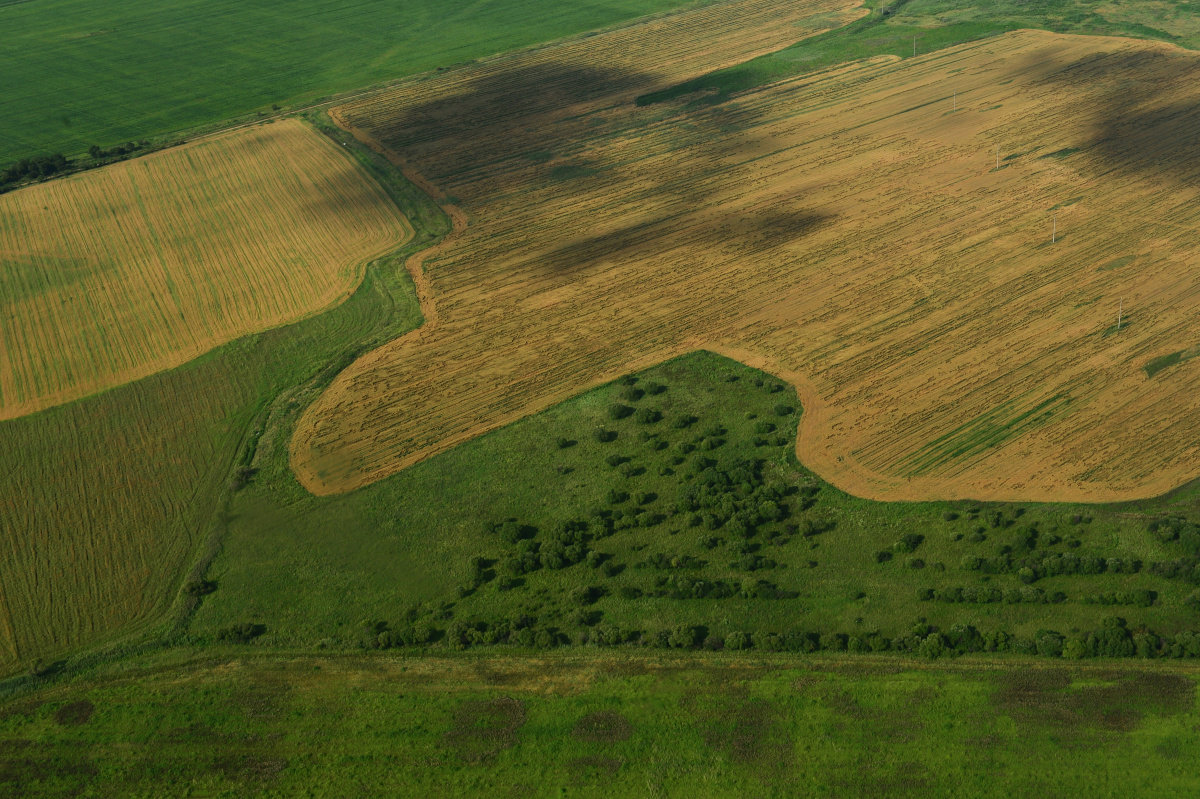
(878, 234)
(120, 272)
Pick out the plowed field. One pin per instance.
(120, 272)
(933, 250)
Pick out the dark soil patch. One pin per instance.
(75, 714)
(603, 726)
(1169, 749)
(481, 729)
(906, 779)
(261, 700)
(593, 768)
(746, 730)
(250, 768)
(27, 708)
(845, 705)
(38, 763)
(195, 732)
(1045, 696)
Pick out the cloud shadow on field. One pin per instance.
(1144, 126)
(507, 98)
(744, 233)
(571, 135)
(525, 125)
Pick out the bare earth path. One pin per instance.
(855, 232)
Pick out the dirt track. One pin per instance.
(849, 231)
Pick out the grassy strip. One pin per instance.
(595, 724)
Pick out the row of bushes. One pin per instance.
(983, 595)
(1112, 640)
(687, 588)
(36, 168)
(1142, 598)
(1034, 567)
(44, 166)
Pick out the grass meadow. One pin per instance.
(441, 543)
(590, 724)
(131, 71)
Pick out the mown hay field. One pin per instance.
(879, 234)
(120, 272)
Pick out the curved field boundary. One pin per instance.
(124, 271)
(881, 235)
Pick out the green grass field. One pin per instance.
(598, 725)
(79, 73)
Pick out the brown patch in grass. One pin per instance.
(603, 726)
(26, 707)
(592, 768)
(744, 728)
(481, 729)
(75, 714)
(262, 700)
(1045, 696)
(40, 762)
(244, 768)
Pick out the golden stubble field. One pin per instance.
(120, 272)
(879, 235)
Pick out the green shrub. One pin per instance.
(648, 415)
(618, 411)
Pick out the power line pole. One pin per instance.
(1120, 308)
(1054, 229)
(914, 47)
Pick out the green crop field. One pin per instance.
(593, 724)
(78, 73)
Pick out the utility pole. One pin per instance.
(997, 156)
(914, 47)
(1054, 229)
(1120, 308)
(955, 106)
